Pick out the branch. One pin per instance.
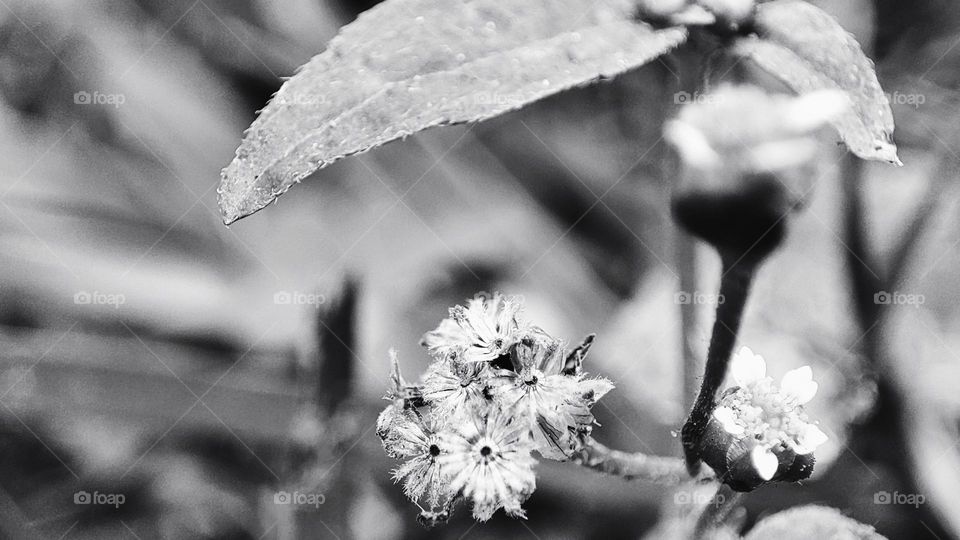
(667, 471)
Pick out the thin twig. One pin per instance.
(667, 471)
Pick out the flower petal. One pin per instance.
(728, 419)
(799, 384)
(764, 461)
(747, 367)
(691, 143)
(810, 439)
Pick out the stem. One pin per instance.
(686, 267)
(735, 285)
(716, 512)
(667, 471)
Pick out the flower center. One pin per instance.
(434, 450)
(486, 451)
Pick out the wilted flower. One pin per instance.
(490, 464)
(455, 388)
(759, 431)
(556, 405)
(496, 391)
(423, 447)
(480, 332)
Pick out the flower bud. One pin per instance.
(747, 160)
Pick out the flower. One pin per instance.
(405, 435)
(748, 163)
(497, 390)
(556, 405)
(746, 128)
(454, 388)
(731, 11)
(480, 332)
(760, 430)
(489, 462)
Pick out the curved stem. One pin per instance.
(735, 285)
(716, 511)
(667, 471)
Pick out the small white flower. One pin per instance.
(489, 462)
(480, 332)
(423, 447)
(771, 417)
(746, 128)
(554, 404)
(455, 389)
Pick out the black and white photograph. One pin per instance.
(480, 269)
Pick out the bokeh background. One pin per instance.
(149, 354)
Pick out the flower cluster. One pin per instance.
(759, 432)
(497, 390)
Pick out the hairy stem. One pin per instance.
(667, 471)
(735, 285)
(716, 511)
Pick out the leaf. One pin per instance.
(407, 65)
(808, 50)
(812, 522)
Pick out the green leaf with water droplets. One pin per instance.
(407, 65)
(808, 50)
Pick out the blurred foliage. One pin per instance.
(199, 396)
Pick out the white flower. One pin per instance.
(455, 389)
(489, 462)
(407, 436)
(744, 127)
(771, 417)
(554, 404)
(480, 332)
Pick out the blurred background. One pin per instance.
(162, 376)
